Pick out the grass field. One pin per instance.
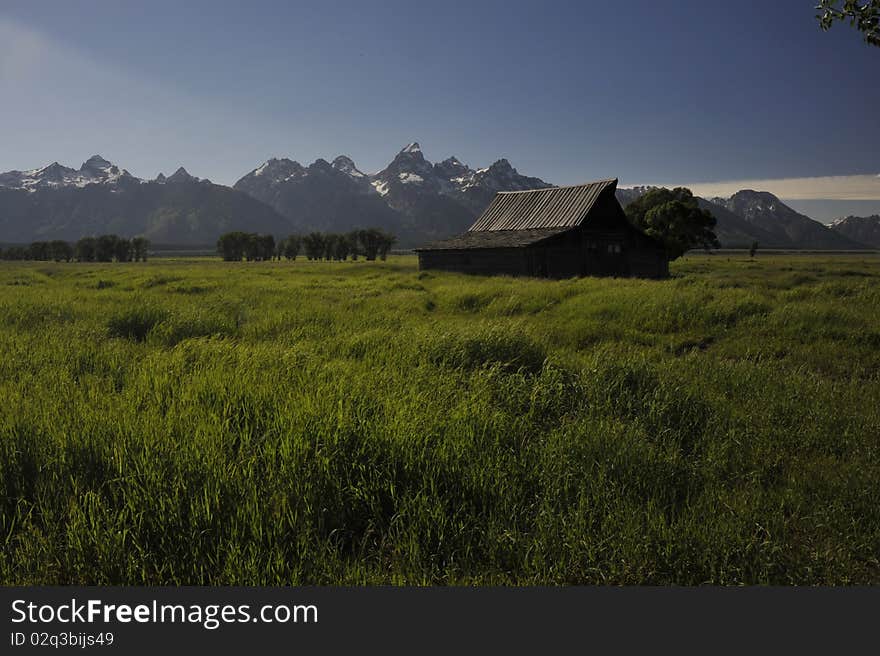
(200, 422)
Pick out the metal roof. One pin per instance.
(553, 207)
(493, 239)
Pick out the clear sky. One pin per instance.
(688, 91)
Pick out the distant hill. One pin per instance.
(734, 231)
(864, 229)
(58, 202)
(759, 216)
(765, 211)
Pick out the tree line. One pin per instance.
(371, 243)
(103, 248)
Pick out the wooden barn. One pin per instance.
(558, 232)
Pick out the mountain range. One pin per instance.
(57, 202)
(412, 197)
(758, 216)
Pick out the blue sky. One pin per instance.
(651, 92)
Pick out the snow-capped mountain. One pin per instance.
(477, 189)
(412, 197)
(409, 172)
(864, 229)
(333, 196)
(95, 170)
(415, 198)
(453, 170)
(59, 202)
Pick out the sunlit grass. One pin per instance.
(194, 421)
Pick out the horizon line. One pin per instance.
(828, 187)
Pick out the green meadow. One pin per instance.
(284, 423)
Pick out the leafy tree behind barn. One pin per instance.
(673, 217)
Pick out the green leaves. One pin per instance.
(673, 217)
(865, 17)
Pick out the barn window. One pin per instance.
(614, 248)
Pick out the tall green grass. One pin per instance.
(199, 422)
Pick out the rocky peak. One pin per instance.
(96, 164)
(748, 202)
(278, 169)
(346, 165)
(180, 175)
(411, 161)
(54, 171)
(320, 165)
(451, 168)
(502, 166)
(751, 194)
(410, 153)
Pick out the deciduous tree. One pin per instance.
(86, 249)
(861, 14)
(674, 218)
(139, 246)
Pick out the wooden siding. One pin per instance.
(488, 261)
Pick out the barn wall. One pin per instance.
(499, 261)
(584, 254)
(644, 257)
(648, 264)
(595, 249)
(562, 256)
